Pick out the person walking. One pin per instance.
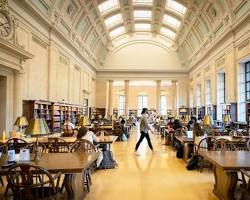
(144, 128)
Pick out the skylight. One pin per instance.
(118, 31)
(143, 2)
(142, 14)
(174, 5)
(168, 32)
(113, 20)
(108, 5)
(142, 27)
(167, 19)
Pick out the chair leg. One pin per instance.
(1, 180)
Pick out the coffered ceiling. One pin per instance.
(185, 27)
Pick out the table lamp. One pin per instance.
(226, 119)
(36, 128)
(176, 117)
(186, 118)
(206, 123)
(21, 122)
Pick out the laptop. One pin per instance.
(190, 134)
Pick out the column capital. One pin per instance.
(110, 81)
(126, 81)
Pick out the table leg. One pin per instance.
(75, 190)
(225, 183)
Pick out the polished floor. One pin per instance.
(160, 176)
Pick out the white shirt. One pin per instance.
(91, 137)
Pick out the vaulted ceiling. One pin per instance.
(186, 27)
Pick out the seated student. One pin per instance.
(68, 129)
(170, 123)
(84, 133)
(191, 123)
(198, 132)
(177, 124)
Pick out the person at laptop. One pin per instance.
(191, 123)
(198, 132)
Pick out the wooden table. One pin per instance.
(187, 146)
(226, 164)
(107, 140)
(70, 164)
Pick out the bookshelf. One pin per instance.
(38, 109)
(248, 113)
(54, 113)
(133, 112)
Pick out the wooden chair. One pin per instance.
(206, 144)
(3, 150)
(83, 145)
(235, 133)
(57, 145)
(248, 145)
(224, 145)
(29, 182)
(241, 145)
(246, 188)
(99, 133)
(32, 147)
(68, 131)
(16, 143)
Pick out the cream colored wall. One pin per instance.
(226, 56)
(3, 91)
(55, 73)
(136, 56)
(101, 93)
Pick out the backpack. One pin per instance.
(179, 150)
(108, 161)
(193, 162)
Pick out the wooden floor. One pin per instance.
(146, 177)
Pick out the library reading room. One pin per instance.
(125, 99)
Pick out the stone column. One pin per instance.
(158, 97)
(127, 97)
(110, 102)
(174, 89)
(18, 94)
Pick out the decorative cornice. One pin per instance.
(17, 51)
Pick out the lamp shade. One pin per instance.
(207, 120)
(37, 127)
(83, 121)
(176, 117)
(186, 118)
(226, 118)
(21, 121)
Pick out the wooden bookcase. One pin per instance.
(54, 113)
(248, 113)
(38, 109)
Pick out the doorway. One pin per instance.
(3, 94)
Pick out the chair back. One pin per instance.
(16, 143)
(32, 147)
(207, 144)
(57, 145)
(68, 131)
(29, 182)
(248, 144)
(83, 145)
(4, 149)
(224, 145)
(105, 133)
(241, 145)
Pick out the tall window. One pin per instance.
(191, 98)
(199, 95)
(208, 92)
(220, 94)
(163, 105)
(142, 103)
(241, 105)
(247, 70)
(121, 105)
